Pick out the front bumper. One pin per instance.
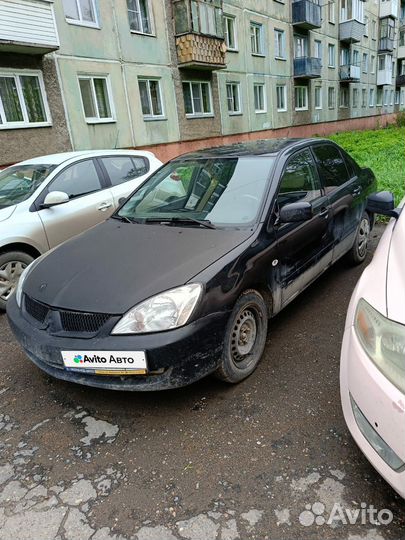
(366, 392)
(181, 356)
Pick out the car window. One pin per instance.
(299, 181)
(78, 179)
(331, 165)
(352, 166)
(120, 169)
(19, 182)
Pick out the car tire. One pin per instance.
(12, 263)
(358, 251)
(245, 338)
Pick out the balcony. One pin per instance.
(28, 27)
(389, 8)
(307, 68)
(195, 51)
(401, 51)
(349, 73)
(385, 44)
(384, 77)
(306, 14)
(351, 31)
(400, 80)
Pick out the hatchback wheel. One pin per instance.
(12, 265)
(358, 252)
(245, 338)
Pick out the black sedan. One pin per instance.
(182, 280)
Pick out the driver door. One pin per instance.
(305, 248)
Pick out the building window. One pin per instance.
(318, 49)
(139, 16)
(301, 98)
(344, 97)
(96, 98)
(374, 29)
(256, 38)
(371, 98)
(379, 97)
(391, 97)
(397, 97)
(151, 98)
(318, 97)
(365, 62)
(355, 97)
(381, 63)
(364, 97)
(197, 98)
(366, 24)
(386, 97)
(281, 98)
(331, 55)
(402, 38)
(402, 67)
(352, 9)
(331, 97)
(23, 100)
(331, 12)
(372, 64)
(260, 98)
(80, 12)
(300, 46)
(233, 98)
(230, 34)
(279, 38)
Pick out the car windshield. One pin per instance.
(221, 191)
(19, 182)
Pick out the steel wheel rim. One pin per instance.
(243, 336)
(10, 274)
(364, 232)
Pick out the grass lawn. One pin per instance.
(383, 150)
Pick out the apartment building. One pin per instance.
(130, 73)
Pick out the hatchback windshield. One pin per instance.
(19, 182)
(223, 191)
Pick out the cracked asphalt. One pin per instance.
(263, 459)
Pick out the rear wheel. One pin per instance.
(245, 338)
(358, 252)
(12, 265)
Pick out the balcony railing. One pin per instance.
(400, 80)
(349, 73)
(307, 68)
(351, 31)
(385, 44)
(306, 14)
(27, 26)
(384, 77)
(200, 52)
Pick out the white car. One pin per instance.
(48, 199)
(372, 373)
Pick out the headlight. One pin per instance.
(23, 277)
(384, 342)
(165, 311)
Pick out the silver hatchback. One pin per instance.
(47, 200)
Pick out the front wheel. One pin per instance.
(358, 252)
(12, 265)
(245, 338)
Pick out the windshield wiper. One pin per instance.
(175, 219)
(126, 219)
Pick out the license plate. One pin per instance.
(106, 362)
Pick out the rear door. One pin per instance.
(304, 248)
(90, 202)
(344, 190)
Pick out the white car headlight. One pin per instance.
(384, 342)
(164, 311)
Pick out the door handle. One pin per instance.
(356, 191)
(104, 206)
(324, 212)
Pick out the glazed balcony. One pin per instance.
(196, 51)
(351, 31)
(28, 26)
(349, 73)
(307, 68)
(389, 8)
(385, 44)
(306, 14)
(384, 77)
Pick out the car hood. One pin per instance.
(6, 213)
(114, 266)
(396, 273)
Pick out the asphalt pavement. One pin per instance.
(270, 458)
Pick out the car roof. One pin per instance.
(264, 147)
(58, 159)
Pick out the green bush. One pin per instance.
(401, 119)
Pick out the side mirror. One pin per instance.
(54, 198)
(295, 212)
(382, 203)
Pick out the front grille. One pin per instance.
(37, 310)
(73, 321)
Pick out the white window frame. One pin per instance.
(386, 99)
(365, 63)
(199, 114)
(257, 27)
(284, 91)
(97, 119)
(5, 72)
(226, 32)
(279, 39)
(372, 64)
(318, 49)
(239, 111)
(305, 94)
(331, 12)
(371, 98)
(355, 98)
(263, 87)
(153, 116)
(331, 47)
(151, 20)
(391, 97)
(363, 98)
(318, 90)
(333, 106)
(80, 21)
(397, 97)
(344, 104)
